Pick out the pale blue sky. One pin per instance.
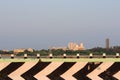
(45, 23)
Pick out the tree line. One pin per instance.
(58, 52)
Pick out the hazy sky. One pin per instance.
(45, 23)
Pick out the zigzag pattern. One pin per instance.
(60, 71)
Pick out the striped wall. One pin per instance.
(59, 70)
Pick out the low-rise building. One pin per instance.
(71, 46)
(30, 50)
(16, 51)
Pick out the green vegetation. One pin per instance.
(110, 51)
(41, 52)
(63, 60)
(6, 52)
(19, 60)
(59, 52)
(81, 60)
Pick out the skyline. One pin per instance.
(42, 24)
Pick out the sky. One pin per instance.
(42, 24)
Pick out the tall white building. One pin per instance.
(74, 46)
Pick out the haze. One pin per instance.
(41, 24)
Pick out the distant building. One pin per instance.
(63, 48)
(71, 46)
(16, 51)
(107, 43)
(74, 46)
(30, 50)
(5, 50)
(81, 47)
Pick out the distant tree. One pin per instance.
(1, 51)
(57, 52)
